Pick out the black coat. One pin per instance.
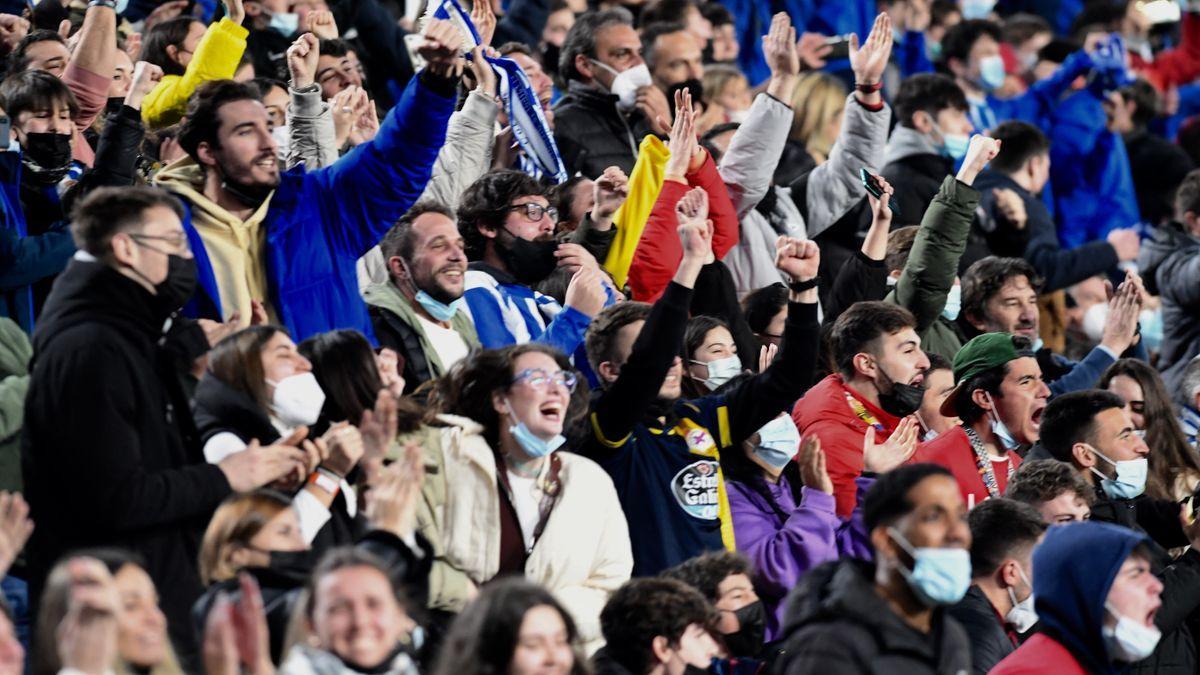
(219, 407)
(989, 639)
(837, 623)
(593, 135)
(916, 180)
(110, 454)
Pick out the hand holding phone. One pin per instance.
(871, 183)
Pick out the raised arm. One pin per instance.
(310, 120)
(621, 406)
(932, 264)
(757, 145)
(95, 55)
(388, 173)
(761, 398)
(834, 188)
(467, 153)
(217, 56)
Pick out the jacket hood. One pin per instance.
(841, 589)
(907, 142)
(1169, 239)
(220, 407)
(92, 292)
(1073, 570)
(185, 178)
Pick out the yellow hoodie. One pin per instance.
(234, 247)
(216, 58)
(645, 182)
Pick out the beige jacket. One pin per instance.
(584, 552)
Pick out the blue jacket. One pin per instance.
(1089, 167)
(1036, 105)
(321, 222)
(1073, 570)
(25, 259)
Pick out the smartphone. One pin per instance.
(839, 47)
(871, 183)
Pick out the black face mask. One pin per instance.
(293, 564)
(175, 291)
(903, 399)
(550, 55)
(528, 261)
(47, 157)
(250, 195)
(747, 642)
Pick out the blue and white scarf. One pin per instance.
(540, 157)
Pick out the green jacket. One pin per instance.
(15, 352)
(409, 335)
(933, 265)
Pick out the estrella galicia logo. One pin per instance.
(695, 488)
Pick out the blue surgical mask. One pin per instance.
(1038, 343)
(531, 443)
(940, 576)
(954, 146)
(437, 309)
(953, 303)
(778, 441)
(933, 50)
(721, 371)
(1130, 481)
(991, 72)
(977, 9)
(999, 429)
(285, 23)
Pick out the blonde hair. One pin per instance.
(818, 100)
(236, 521)
(717, 76)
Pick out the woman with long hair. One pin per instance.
(1174, 466)
(513, 504)
(260, 388)
(512, 628)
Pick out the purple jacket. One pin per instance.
(782, 548)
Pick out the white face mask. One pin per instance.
(1022, 616)
(738, 116)
(1129, 641)
(626, 83)
(298, 399)
(283, 139)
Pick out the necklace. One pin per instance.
(984, 463)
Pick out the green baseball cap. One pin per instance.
(981, 354)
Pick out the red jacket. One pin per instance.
(824, 411)
(658, 251)
(953, 451)
(1040, 654)
(1174, 67)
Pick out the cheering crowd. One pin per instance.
(871, 329)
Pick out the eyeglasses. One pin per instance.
(176, 241)
(535, 212)
(538, 378)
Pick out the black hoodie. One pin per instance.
(110, 455)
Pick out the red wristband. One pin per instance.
(868, 88)
(873, 107)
